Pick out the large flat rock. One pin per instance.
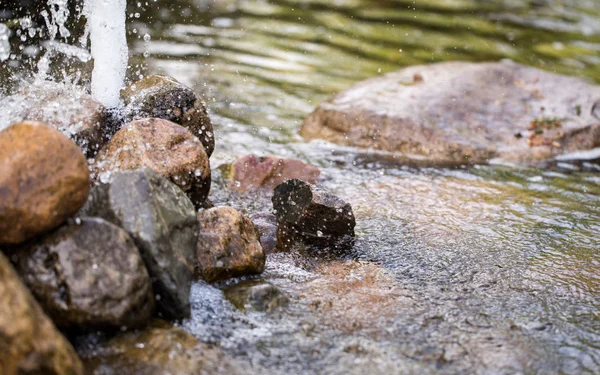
(464, 113)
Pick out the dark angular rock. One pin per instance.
(29, 342)
(314, 216)
(162, 221)
(228, 245)
(163, 97)
(88, 275)
(256, 295)
(44, 179)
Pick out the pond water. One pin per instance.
(495, 269)
(489, 269)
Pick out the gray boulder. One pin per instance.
(162, 221)
(88, 275)
(463, 113)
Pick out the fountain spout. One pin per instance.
(106, 22)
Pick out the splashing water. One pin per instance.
(60, 14)
(4, 43)
(106, 22)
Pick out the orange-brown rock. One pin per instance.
(252, 171)
(163, 97)
(29, 342)
(44, 179)
(163, 146)
(228, 245)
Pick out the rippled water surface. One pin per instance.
(491, 269)
(500, 265)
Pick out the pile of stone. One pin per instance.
(104, 225)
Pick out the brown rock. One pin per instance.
(269, 171)
(159, 349)
(228, 245)
(87, 276)
(163, 97)
(29, 342)
(44, 179)
(163, 146)
(462, 113)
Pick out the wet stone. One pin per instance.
(163, 97)
(163, 146)
(29, 342)
(228, 245)
(65, 107)
(266, 224)
(158, 349)
(88, 275)
(162, 221)
(44, 179)
(256, 295)
(251, 172)
(314, 216)
(463, 113)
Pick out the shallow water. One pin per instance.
(490, 269)
(497, 267)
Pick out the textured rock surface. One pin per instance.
(256, 295)
(87, 276)
(29, 342)
(228, 245)
(252, 171)
(163, 97)
(163, 146)
(162, 222)
(313, 215)
(64, 107)
(266, 224)
(44, 179)
(461, 113)
(159, 349)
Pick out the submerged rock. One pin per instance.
(228, 245)
(162, 221)
(65, 107)
(252, 171)
(29, 342)
(44, 179)
(163, 146)
(163, 97)
(88, 276)
(256, 295)
(314, 216)
(159, 349)
(463, 113)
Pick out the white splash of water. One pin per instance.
(106, 21)
(4, 43)
(55, 21)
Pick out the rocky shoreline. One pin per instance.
(107, 222)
